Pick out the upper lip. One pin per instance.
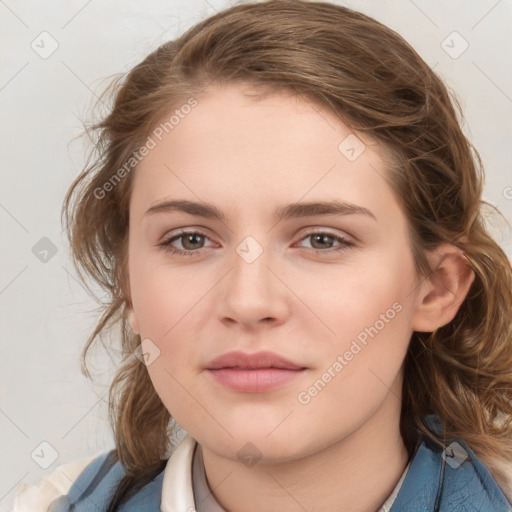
(243, 360)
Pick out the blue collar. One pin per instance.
(449, 480)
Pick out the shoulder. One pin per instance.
(468, 480)
(96, 484)
(449, 479)
(89, 484)
(85, 485)
(38, 497)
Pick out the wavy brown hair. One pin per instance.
(374, 81)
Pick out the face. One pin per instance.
(330, 290)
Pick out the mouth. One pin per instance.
(253, 373)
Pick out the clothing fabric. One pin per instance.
(37, 497)
(450, 480)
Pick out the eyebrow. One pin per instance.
(288, 211)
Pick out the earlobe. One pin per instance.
(444, 290)
(132, 320)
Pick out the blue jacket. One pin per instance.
(452, 480)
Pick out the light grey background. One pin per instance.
(46, 315)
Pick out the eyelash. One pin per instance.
(344, 243)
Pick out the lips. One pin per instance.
(253, 373)
(242, 360)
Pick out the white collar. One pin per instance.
(177, 490)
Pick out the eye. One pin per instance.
(322, 242)
(191, 241)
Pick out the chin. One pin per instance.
(256, 440)
(250, 450)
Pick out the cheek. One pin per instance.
(164, 296)
(364, 300)
(170, 312)
(369, 314)
(359, 365)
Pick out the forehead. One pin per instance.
(241, 144)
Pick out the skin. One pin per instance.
(247, 156)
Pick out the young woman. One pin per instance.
(286, 215)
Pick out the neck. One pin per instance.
(354, 474)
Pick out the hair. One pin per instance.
(376, 83)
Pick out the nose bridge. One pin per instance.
(251, 262)
(252, 291)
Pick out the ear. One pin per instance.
(443, 291)
(125, 288)
(132, 320)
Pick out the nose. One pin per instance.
(253, 292)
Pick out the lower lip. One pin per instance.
(254, 381)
